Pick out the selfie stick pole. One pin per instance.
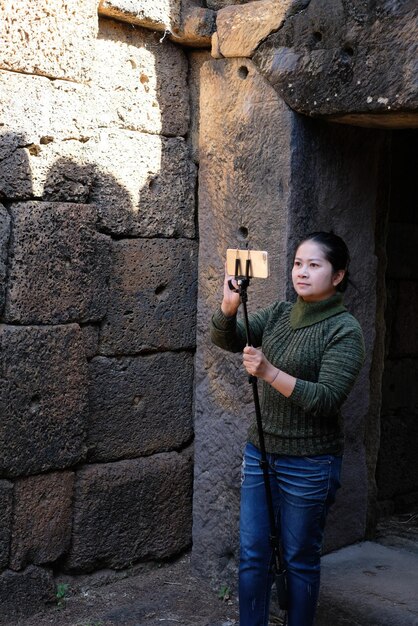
(278, 570)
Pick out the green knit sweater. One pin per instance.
(322, 346)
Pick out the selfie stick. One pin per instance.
(278, 570)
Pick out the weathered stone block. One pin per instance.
(15, 174)
(142, 184)
(153, 286)
(34, 109)
(25, 593)
(185, 21)
(50, 37)
(241, 28)
(6, 503)
(4, 241)
(38, 131)
(41, 519)
(198, 24)
(350, 61)
(58, 264)
(57, 170)
(43, 398)
(150, 401)
(140, 82)
(131, 510)
(91, 339)
(159, 180)
(155, 14)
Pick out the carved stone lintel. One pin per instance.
(347, 64)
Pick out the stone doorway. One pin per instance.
(396, 474)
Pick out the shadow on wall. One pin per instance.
(56, 268)
(59, 267)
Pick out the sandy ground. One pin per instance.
(164, 595)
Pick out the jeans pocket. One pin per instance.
(320, 459)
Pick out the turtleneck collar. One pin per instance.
(307, 313)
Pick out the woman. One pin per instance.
(308, 356)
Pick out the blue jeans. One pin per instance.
(303, 489)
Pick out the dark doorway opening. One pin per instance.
(397, 469)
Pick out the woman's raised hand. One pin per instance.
(231, 299)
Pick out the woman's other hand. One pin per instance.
(256, 364)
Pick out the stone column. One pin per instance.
(245, 165)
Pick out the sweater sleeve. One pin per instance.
(229, 333)
(340, 366)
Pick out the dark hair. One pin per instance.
(335, 251)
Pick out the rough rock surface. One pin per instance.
(6, 503)
(4, 240)
(146, 78)
(349, 61)
(155, 14)
(142, 184)
(24, 593)
(187, 22)
(58, 264)
(43, 398)
(41, 530)
(91, 339)
(241, 28)
(159, 177)
(197, 26)
(153, 286)
(34, 110)
(148, 400)
(131, 510)
(50, 37)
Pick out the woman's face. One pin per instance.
(313, 276)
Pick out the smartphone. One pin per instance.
(236, 263)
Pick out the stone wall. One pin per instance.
(107, 109)
(98, 269)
